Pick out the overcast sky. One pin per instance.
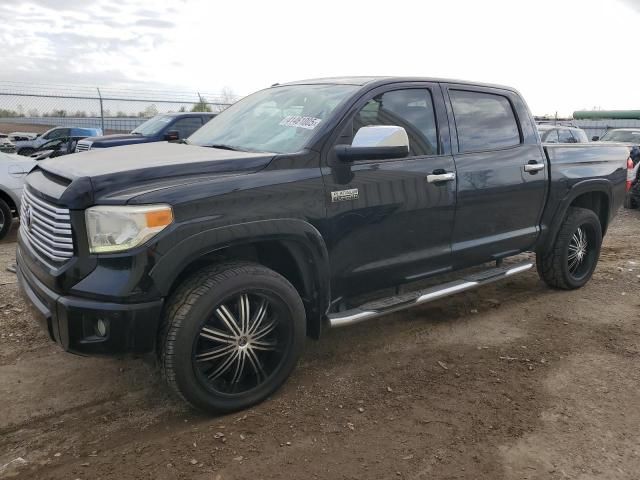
(562, 55)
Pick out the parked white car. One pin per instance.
(13, 169)
(27, 147)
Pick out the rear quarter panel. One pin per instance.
(575, 169)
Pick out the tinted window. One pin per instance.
(410, 109)
(625, 136)
(57, 133)
(152, 126)
(186, 126)
(565, 136)
(484, 121)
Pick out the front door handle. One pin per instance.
(533, 166)
(441, 177)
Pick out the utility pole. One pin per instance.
(101, 111)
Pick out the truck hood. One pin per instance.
(134, 169)
(107, 141)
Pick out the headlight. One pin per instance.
(117, 228)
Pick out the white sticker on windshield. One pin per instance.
(300, 122)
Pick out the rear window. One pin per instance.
(624, 136)
(484, 121)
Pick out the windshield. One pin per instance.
(152, 126)
(625, 136)
(278, 120)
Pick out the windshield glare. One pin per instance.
(278, 120)
(624, 136)
(152, 126)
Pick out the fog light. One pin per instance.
(101, 328)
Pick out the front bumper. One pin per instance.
(71, 321)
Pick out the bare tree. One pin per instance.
(228, 95)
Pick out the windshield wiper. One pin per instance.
(222, 146)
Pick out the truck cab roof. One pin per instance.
(383, 80)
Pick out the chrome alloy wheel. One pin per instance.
(578, 250)
(241, 345)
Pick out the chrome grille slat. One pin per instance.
(46, 227)
(51, 223)
(59, 239)
(53, 243)
(52, 210)
(83, 146)
(51, 254)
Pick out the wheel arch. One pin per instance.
(293, 248)
(9, 200)
(595, 195)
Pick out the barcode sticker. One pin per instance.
(300, 122)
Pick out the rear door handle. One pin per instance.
(441, 177)
(533, 166)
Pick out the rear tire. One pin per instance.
(220, 350)
(573, 257)
(5, 219)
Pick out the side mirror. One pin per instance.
(595, 138)
(172, 135)
(376, 142)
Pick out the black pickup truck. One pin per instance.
(303, 205)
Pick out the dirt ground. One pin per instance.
(512, 381)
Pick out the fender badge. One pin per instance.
(344, 195)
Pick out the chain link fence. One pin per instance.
(38, 107)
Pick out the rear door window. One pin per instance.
(186, 126)
(484, 121)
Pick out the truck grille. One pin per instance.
(46, 227)
(83, 146)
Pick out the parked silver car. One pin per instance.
(13, 169)
(562, 134)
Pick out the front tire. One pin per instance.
(232, 334)
(573, 257)
(5, 219)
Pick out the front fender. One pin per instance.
(303, 240)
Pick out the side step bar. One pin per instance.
(377, 308)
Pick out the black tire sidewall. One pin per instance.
(580, 217)
(8, 220)
(187, 379)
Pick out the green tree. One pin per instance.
(201, 106)
(150, 111)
